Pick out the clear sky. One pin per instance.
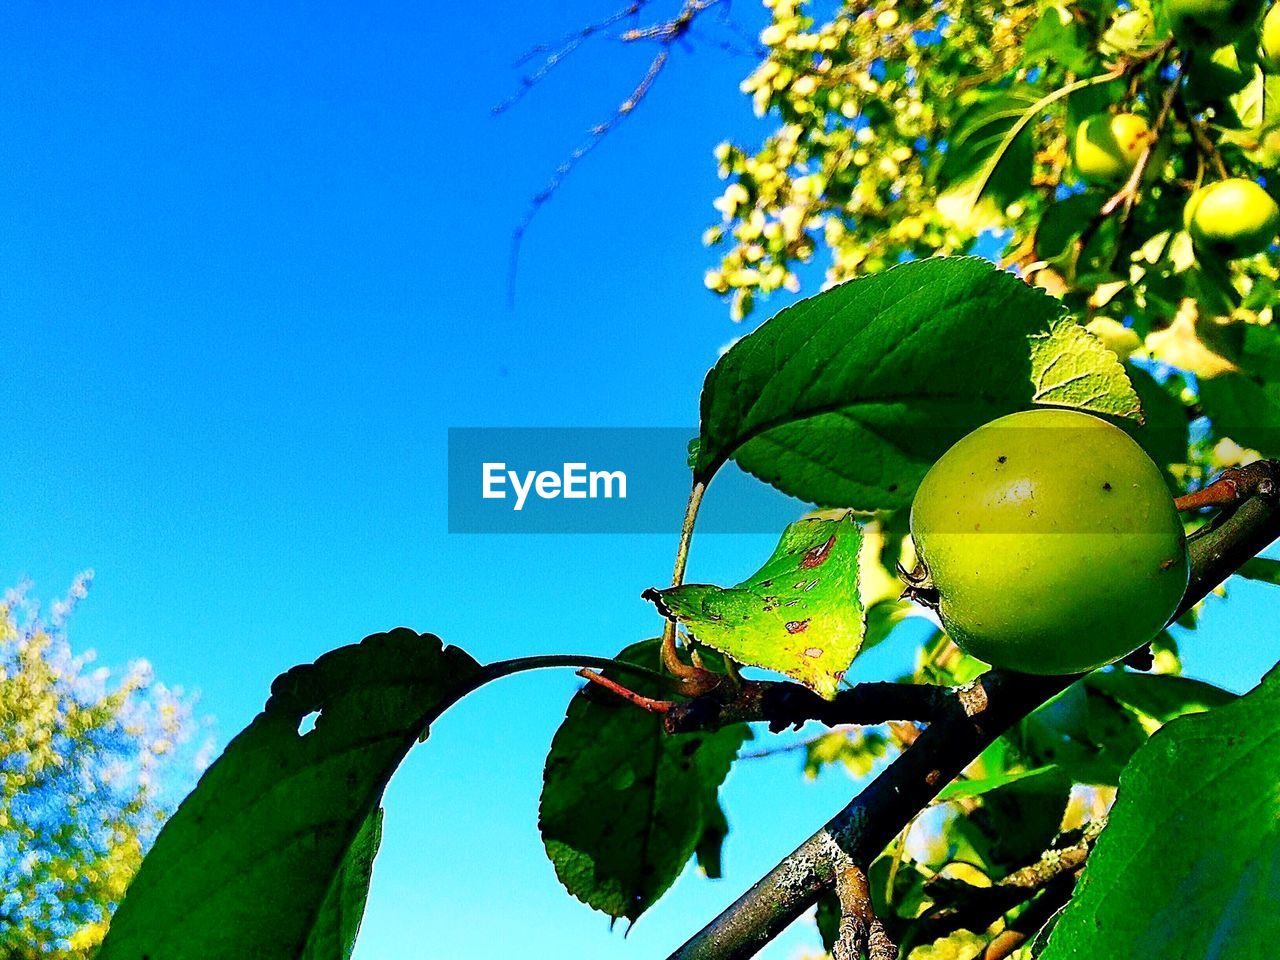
(252, 267)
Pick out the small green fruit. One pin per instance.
(1130, 32)
(1231, 218)
(1211, 23)
(1108, 146)
(1052, 542)
(1270, 48)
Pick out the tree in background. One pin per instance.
(1110, 150)
(85, 762)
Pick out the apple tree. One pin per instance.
(1049, 468)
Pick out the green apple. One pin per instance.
(1107, 146)
(1231, 218)
(1052, 543)
(1270, 47)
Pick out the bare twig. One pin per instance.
(784, 705)
(665, 34)
(1231, 487)
(639, 700)
(873, 818)
(557, 56)
(860, 928)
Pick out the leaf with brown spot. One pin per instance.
(800, 614)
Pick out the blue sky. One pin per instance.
(253, 266)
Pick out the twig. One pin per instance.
(639, 700)
(976, 908)
(860, 928)
(1230, 487)
(872, 819)
(1128, 194)
(1205, 146)
(553, 59)
(782, 705)
(665, 34)
(598, 133)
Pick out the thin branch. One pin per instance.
(860, 929)
(1128, 194)
(637, 699)
(1205, 146)
(872, 819)
(782, 705)
(665, 33)
(976, 908)
(670, 657)
(557, 56)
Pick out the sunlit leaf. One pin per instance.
(1194, 837)
(847, 398)
(800, 614)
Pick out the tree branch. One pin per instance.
(782, 705)
(863, 828)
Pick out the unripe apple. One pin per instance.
(1108, 146)
(1211, 23)
(1231, 218)
(1052, 542)
(1270, 47)
(1130, 32)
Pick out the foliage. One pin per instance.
(84, 763)
(905, 131)
(260, 859)
(1226, 764)
(916, 128)
(624, 806)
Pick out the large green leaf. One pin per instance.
(333, 935)
(624, 804)
(1189, 863)
(847, 398)
(271, 843)
(799, 614)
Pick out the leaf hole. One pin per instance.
(308, 723)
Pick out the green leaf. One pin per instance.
(1014, 822)
(857, 752)
(961, 789)
(1194, 839)
(1059, 39)
(710, 849)
(1158, 696)
(799, 614)
(847, 398)
(1246, 411)
(271, 842)
(1088, 735)
(624, 804)
(1262, 569)
(1163, 435)
(333, 936)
